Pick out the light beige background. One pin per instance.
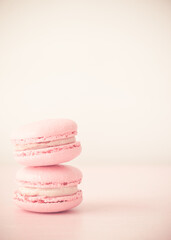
(105, 64)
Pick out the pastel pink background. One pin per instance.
(121, 202)
(106, 65)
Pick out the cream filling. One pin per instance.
(34, 146)
(51, 192)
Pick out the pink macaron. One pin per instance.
(48, 189)
(47, 142)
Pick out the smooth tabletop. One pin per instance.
(120, 202)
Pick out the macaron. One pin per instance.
(47, 142)
(48, 189)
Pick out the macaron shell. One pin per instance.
(54, 175)
(44, 128)
(47, 158)
(49, 207)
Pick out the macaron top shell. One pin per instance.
(41, 130)
(49, 176)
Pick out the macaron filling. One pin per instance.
(46, 200)
(51, 192)
(41, 145)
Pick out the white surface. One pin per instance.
(135, 203)
(105, 64)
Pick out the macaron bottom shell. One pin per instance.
(61, 204)
(49, 156)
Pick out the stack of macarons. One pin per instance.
(45, 185)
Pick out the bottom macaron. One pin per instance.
(48, 189)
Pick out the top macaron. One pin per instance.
(47, 142)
